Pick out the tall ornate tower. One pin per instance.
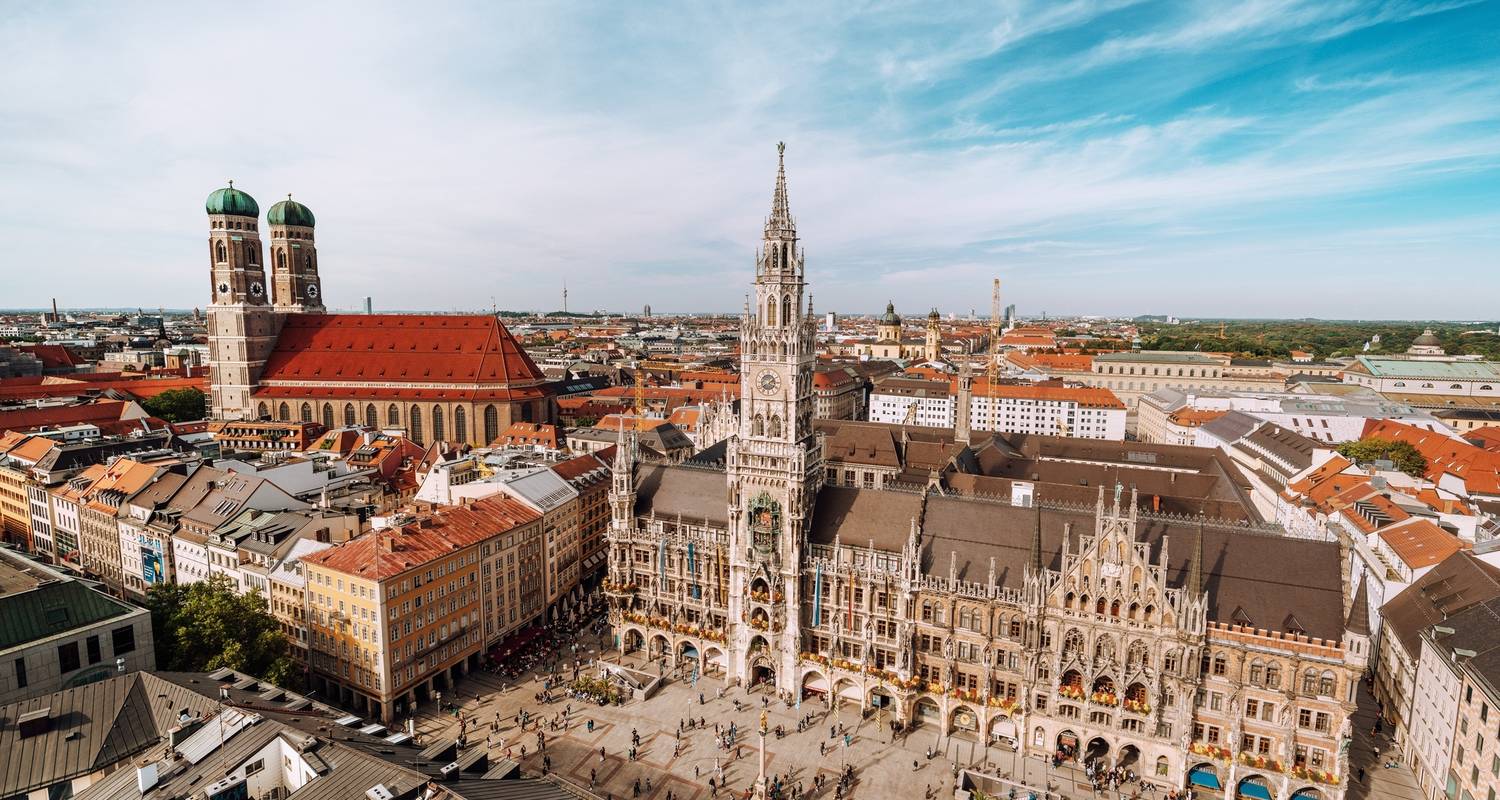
(241, 327)
(774, 463)
(934, 342)
(294, 258)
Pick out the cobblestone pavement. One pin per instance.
(883, 768)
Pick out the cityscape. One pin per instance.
(876, 528)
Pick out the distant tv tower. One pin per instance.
(565, 298)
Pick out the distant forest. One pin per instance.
(1324, 339)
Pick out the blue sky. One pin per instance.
(1255, 158)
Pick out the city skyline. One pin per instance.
(1093, 156)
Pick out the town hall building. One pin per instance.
(1196, 651)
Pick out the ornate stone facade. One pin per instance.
(1193, 650)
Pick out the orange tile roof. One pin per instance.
(1087, 396)
(529, 433)
(1478, 468)
(1487, 438)
(1421, 543)
(1189, 417)
(685, 417)
(615, 422)
(379, 555)
(95, 412)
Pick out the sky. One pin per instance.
(1265, 158)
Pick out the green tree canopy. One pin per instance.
(1407, 458)
(204, 626)
(177, 405)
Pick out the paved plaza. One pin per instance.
(596, 763)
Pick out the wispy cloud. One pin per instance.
(1096, 155)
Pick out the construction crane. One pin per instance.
(992, 372)
(640, 393)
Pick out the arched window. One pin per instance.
(1326, 684)
(526, 412)
(283, 413)
(491, 424)
(370, 419)
(1072, 644)
(250, 253)
(460, 425)
(771, 311)
(328, 415)
(223, 253)
(261, 412)
(1273, 676)
(1257, 672)
(349, 419)
(306, 413)
(775, 427)
(414, 425)
(758, 426)
(437, 424)
(307, 261)
(1310, 682)
(392, 416)
(786, 310)
(281, 259)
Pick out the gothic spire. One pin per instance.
(1195, 571)
(1035, 561)
(779, 224)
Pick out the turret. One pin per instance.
(295, 287)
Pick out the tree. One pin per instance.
(177, 405)
(1407, 458)
(204, 626)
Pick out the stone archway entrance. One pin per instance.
(762, 673)
(927, 713)
(1067, 746)
(1097, 750)
(814, 684)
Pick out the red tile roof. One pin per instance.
(382, 554)
(1421, 543)
(528, 433)
(399, 348)
(102, 411)
(1479, 469)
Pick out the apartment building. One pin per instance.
(396, 614)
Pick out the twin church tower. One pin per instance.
(248, 310)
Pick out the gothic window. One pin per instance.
(414, 426)
(1310, 682)
(261, 412)
(370, 418)
(758, 426)
(223, 253)
(437, 424)
(349, 420)
(327, 415)
(1137, 656)
(306, 413)
(1169, 662)
(1114, 609)
(307, 262)
(1099, 607)
(775, 427)
(526, 413)
(1072, 644)
(392, 415)
(491, 424)
(1104, 650)
(786, 310)
(771, 311)
(460, 425)
(281, 259)
(283, 413)
(1068, 600)
(250, 253)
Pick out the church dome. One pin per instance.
(1427, 339)
(890, 317)
(230, 200)
(291, 212)
(933, 316)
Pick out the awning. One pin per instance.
(1255, 790)
(1005, 728)
(1205, 777)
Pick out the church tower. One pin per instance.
(933, 345)
(241, 326)
(295, 287)
(774, 462)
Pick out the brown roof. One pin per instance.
(1267, 578)
(693, 493)
(1457, 582)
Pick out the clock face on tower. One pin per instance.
(256, 289)
(223, 288)
(768, 382)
